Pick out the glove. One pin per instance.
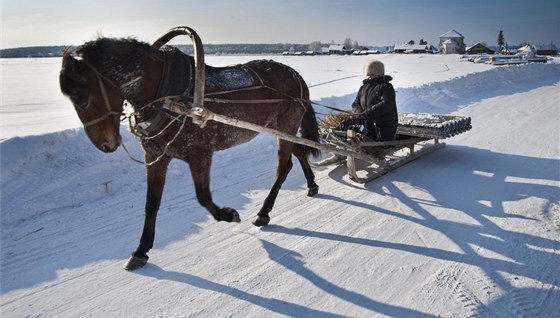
(354, 119)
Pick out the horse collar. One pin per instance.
(176, 81)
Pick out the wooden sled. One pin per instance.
(417, 135)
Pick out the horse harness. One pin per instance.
(174, 98)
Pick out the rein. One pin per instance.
(181, 105)
(330, 107)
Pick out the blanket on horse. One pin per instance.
(177, 82)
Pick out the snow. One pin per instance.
(470, 230)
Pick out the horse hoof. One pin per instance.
(135, 262)
(229, 215)
(261, 221)
(235, 217)
(312, 191)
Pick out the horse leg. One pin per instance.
(284, 166)
(200, 171)
(312, 187)
(156, 180)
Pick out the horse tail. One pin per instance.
(310, 129)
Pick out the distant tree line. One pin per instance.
(421, 42)
(213, 49)
(35, 51)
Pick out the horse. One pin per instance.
(100, 76)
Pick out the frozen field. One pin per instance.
(472, 230)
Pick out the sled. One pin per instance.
(417, 135)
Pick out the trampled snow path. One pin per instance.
(471, 230)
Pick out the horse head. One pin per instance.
(97, 100)
(105, 72)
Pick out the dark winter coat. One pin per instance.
(376, 103)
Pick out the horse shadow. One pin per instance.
(482, 183)
(279, 306)
(291, 261)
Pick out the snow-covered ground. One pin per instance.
(470, 230)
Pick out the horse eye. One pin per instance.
(80, 106)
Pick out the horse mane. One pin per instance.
(116, 50)
(121, 58)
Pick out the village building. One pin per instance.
(336, 49)
(546, 49)
(479, 48)
(452, 42)
(410, 48)
(414, 48)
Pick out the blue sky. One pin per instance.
(373, 22)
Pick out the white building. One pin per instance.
(452, 42)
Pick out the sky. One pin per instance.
(369, 22)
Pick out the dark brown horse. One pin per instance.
(161, 84)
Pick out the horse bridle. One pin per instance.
(110, 112)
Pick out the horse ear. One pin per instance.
(73, 68)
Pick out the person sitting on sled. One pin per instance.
(375, 107)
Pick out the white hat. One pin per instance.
(374, 68)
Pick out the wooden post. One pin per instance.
(350, 160)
